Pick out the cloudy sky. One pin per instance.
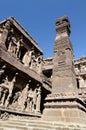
(38, 18)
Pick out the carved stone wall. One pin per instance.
(21, 79)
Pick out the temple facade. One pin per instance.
(53, 89)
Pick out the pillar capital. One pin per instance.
(63, 25)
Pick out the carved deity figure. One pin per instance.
(39, 63)
(38, 103)
(10, 87)
(23, 97)
(3, 86)
(33, 61)
(29, 58)
(1, 31)
(7, 25)
(2, 69)
(83, 68)
(12, 43)
(29, 100)
(18, 48)
(77, 70)
(4, 34)
(34, 99)
(17, 95)
(15, 99)
(81, 82)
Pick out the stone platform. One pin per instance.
(17, 124)
(64, 109)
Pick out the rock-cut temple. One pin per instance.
(38, 93)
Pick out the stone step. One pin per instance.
(46, 123)
(36, 125)
(41, 124)
(24, 125)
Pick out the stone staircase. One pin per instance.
(25, 124)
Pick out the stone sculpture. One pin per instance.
(12, 43)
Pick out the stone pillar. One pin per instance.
(5, 34)
(64, 78)
(3, 98)
(63, 104)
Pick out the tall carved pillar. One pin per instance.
(5, 34)
(63, 104)
(64, 78)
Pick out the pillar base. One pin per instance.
(65, 109)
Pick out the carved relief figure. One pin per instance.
(15, 99)
(29, 59)
(30, 100)
(83, 68)
(5, 86)
(1, 31)
(3, 99)
(5, 83)
(12, 42)
(81, 82)
(33, 60)
(39, 61)
(23, 97)
(10, 87)
(4, 35)
(2, 69)
(34, 99)
(17, 95)
(38, 103)
(77, 70)
(18, 48)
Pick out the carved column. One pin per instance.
(5, 34)
(64, 78)
(63, 105)
(3, 98)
